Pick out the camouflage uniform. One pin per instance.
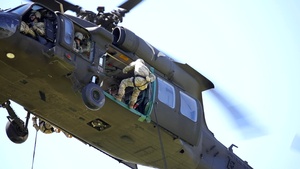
(81, 49)
(142, 76)
(38, 27)
(78, 46)
(43, 126)
(46, 127)
(35, 25)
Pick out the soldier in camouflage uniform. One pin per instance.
(81, 46)
(78, 42)
(142, 76)
(35, 26)
(44, 126)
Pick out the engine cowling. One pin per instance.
(130, 42)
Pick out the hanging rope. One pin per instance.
(33, 156)
(160, 139)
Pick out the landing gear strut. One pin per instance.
(16, 130)
(93, 96)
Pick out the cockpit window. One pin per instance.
(68, 31)
(37, 8)
(166, 93)
(188, 106)
(20, 9)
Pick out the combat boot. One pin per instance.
(131, 105)
(118, 97)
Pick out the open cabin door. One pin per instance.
(177, 112)
(69, 31)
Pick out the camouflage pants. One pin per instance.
(139, 81)
(25, 28)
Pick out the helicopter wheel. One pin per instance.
(16, 131)
(93, 96)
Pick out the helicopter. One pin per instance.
(56, 82)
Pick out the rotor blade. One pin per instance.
(296, 143)
(129, 4)
(234, 112)
(54, 5)
(242, 121)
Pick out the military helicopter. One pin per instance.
(57, 83)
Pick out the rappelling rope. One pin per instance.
(160, 140)
(33, 156)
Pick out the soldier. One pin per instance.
(44, 126)
(142, 76)
(78, 45)
(78, 42)
(35, 26)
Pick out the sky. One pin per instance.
(248, 49)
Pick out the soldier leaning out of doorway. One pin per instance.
(142, 77)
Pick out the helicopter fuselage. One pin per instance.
(48, 78)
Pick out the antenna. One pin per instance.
(230, 148)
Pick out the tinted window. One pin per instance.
(36, 8)
(166, 93)
(188, 106)
(68, 31)
(20, 9)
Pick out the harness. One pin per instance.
(138, 87)
(78, 45)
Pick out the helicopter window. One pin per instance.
(101, 61)
(34, 8)
(188, 106)
(37, 8)
(68, 31)
(20, 9)
(166, 93)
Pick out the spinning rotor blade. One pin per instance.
(129, 4)
(239, 118)
(54, 5)
(242, 121)
(296, 143)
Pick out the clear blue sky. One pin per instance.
(249, 49)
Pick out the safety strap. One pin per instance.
(77, 46)
(160, 139)
(133, 81)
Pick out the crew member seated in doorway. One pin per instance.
(79, 46)
(35, 27)
(142, 77)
